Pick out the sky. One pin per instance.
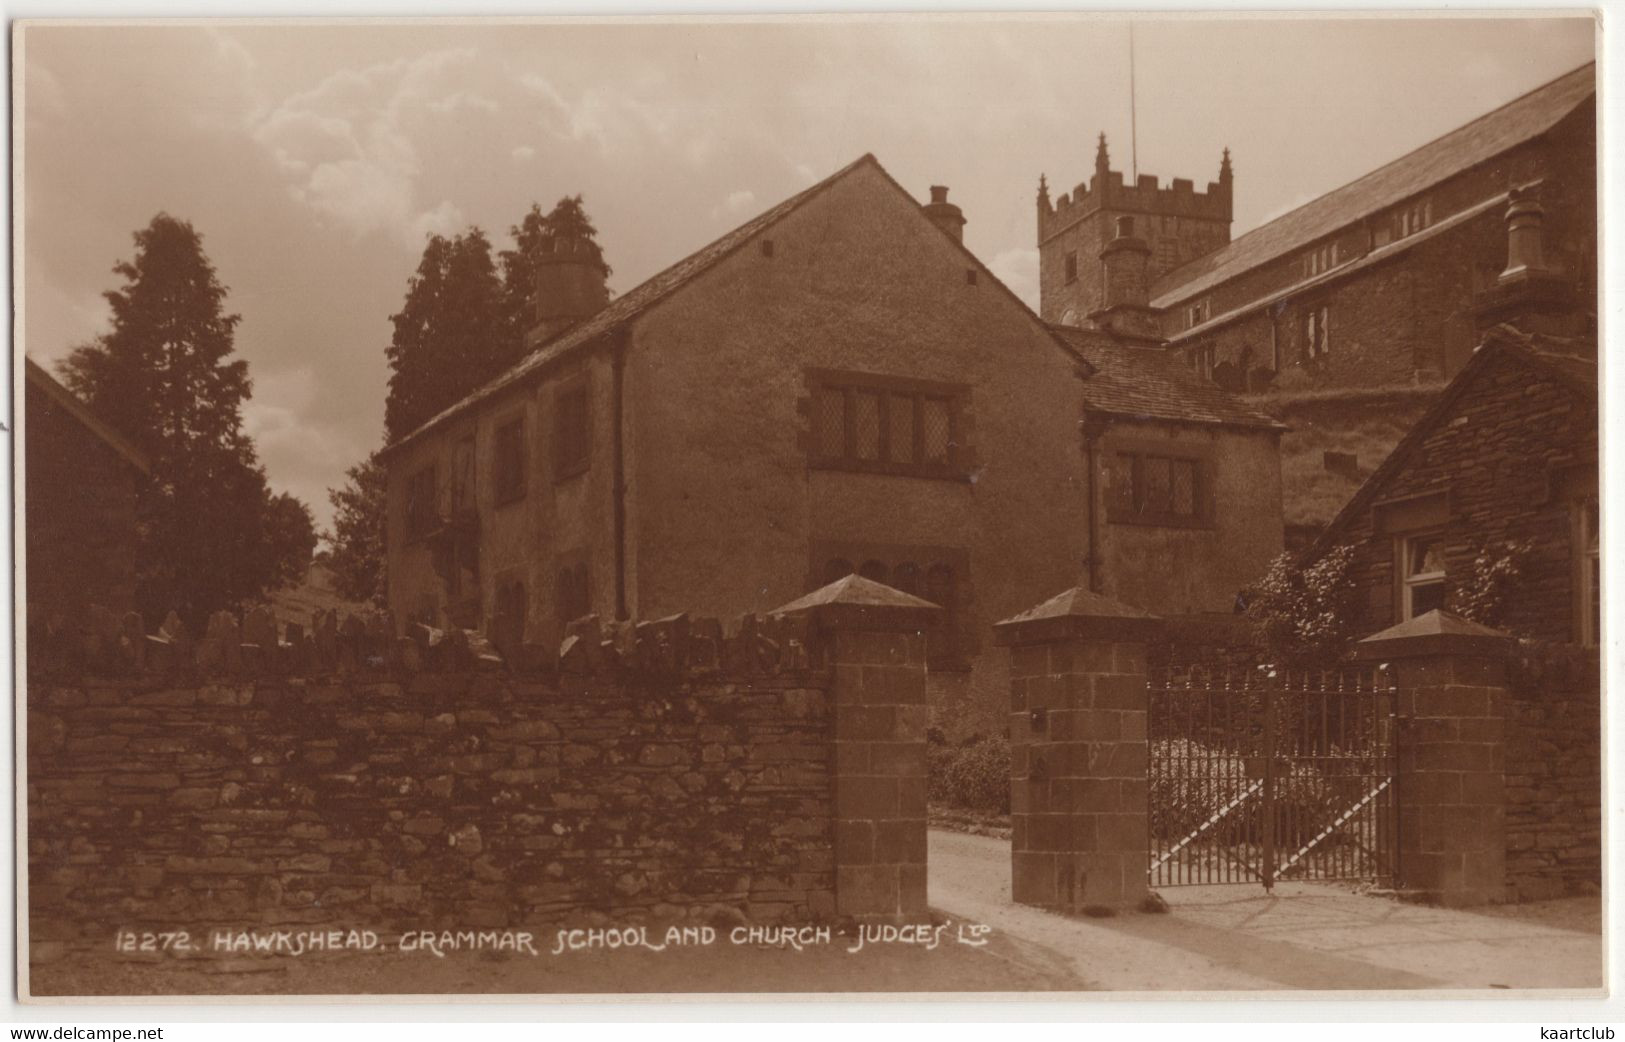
(315, 158)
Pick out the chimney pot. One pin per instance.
(945, 215)
(1125, 282)
(569, 285)
(1525, 223)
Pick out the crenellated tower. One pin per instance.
(1177, 224)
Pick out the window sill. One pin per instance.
(941, 472)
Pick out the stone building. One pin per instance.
(1503, 469)
(1508, 454)
(1189, 477)
(836, 386)
(1370, 285)
(81, 507)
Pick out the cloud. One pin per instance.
(1018, 269)
(294, 445)
(524, 154)
(445, 219)
(348, 146)
(464, 100)
(736, 205)
(632, 117)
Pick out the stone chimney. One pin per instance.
(1526, 220)
(945, 215)
(1527, 293)
(569, 286)
(1125, 268)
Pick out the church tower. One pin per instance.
(1177, 224)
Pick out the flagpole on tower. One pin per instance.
(1133, 116)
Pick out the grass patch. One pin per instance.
(299, 601)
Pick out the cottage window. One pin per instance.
(572, 441)
(1203, 359)
(885, 425)
(1413, 218)
(1197, 313)
(420, 504)
(462, 477)
(509, 480)
(1156, 489)
(865, 407)
(1072, 266)
(1322, 259)
(1317, 332)
(1422, 575)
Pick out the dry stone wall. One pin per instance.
(344, 777)
(1554, 774)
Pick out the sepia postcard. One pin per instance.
(1047, 506)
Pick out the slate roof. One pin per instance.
(658, 287)
(1377, 256)
(73, 406)
(1512, 124)
(1570, 362)
(1150, 383)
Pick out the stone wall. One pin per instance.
(347, 778)
(1554, 775)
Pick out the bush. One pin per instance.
(974, 775)
(1305, 613)
(1483, 594)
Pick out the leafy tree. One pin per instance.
(568, 219)
(450, 334)
(290, 538)
(1304, 614)
(356, 544)
(211, 534)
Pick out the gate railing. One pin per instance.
(1258, 775)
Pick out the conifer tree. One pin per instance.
(449, 336)
(212, 535)
(356, 544)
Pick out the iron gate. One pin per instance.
(1258, 776)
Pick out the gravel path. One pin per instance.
(1305, 936)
